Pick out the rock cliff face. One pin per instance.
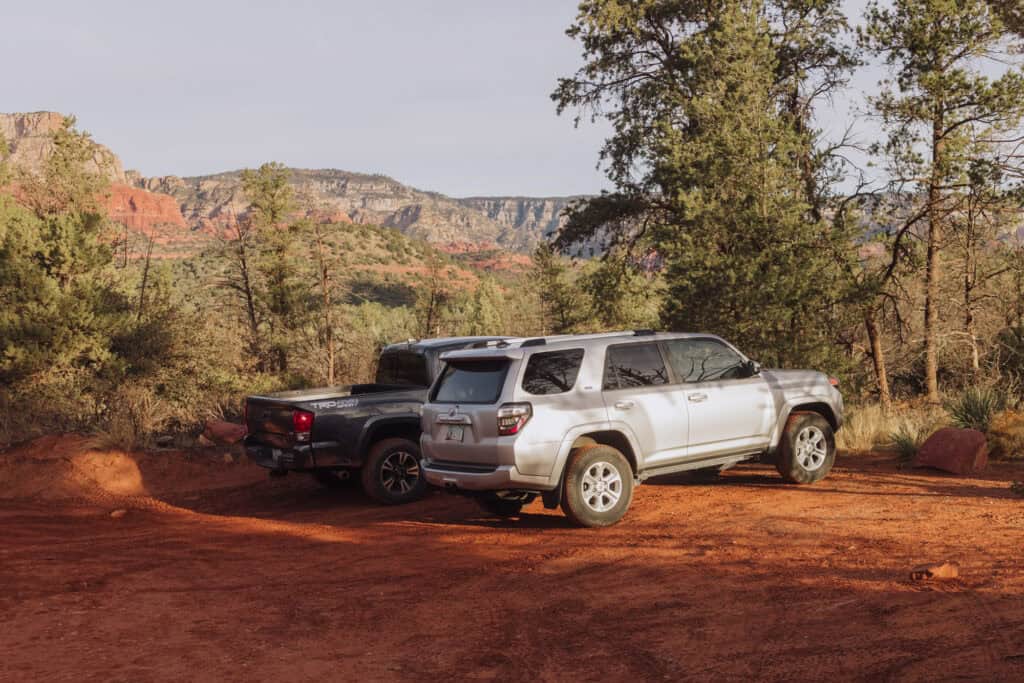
(525, 220)
(210, 202)
(196, 208)
(29, 141)
(141, 210)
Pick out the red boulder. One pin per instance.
(960, 451)
(224, 433)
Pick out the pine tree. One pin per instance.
(715, 163)
(936, 49)
(561, 302)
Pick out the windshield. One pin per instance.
(403, 367)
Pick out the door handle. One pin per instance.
(624, 405)
(697, 398)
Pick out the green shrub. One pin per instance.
(907, 440)
(975, 407)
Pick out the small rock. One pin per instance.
(228, 459)
(224, 433)
(203, 442)
(118, 514)
(958, 451)
(928, 572)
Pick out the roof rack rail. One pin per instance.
(537, 341)
(643, 333)
(489, 343)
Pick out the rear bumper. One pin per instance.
(465, 477)
(297, 457)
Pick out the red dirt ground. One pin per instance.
(217, 573)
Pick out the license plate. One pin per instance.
(455, 433)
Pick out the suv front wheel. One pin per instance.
(598, 486)
(807, 450)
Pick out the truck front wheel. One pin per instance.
(392, 474)
(807, 450)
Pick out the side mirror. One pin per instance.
(753, 368)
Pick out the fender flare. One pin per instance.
(373, 424)
(787, 410)
(580, 430)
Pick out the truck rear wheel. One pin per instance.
(392, 474)
(807, 450)
(598, 486)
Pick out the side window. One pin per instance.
(552, 372)
(704, 360)
(634, 365)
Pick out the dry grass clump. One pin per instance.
(135, 415)
(904, 429)
(1006, 435)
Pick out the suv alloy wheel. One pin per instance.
(807, 450)
(598, 486)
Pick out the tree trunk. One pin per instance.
(325, 292)
(933, 263)
(145, 279)
(878, 360)
(969, 328)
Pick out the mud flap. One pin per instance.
(552, 499)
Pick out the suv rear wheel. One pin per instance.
(392, 473)
(598, 486)
(808, 449)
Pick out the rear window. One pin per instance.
(634, 365)
(552, 372)
(403, 367)
(477, 381)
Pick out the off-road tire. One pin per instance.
(579, 471)
(795, 465)
(392, 452)
(496, 504)
(332, 479)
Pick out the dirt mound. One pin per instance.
(64, 467)
(67, 467)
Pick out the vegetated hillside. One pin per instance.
(382, 265)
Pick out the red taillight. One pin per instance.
(833, 381)
(512, 417)
(302, 424)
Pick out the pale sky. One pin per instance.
(445, 95)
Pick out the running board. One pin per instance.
(711, 461)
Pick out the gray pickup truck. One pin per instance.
(579, 419)
(370, 429)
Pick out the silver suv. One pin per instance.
(580, 419)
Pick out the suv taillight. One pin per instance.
(512, 417)
(302, 424)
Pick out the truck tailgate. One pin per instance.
(269, 421)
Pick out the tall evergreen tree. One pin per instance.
(936, 50)
(562, 305)
(714, 160)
